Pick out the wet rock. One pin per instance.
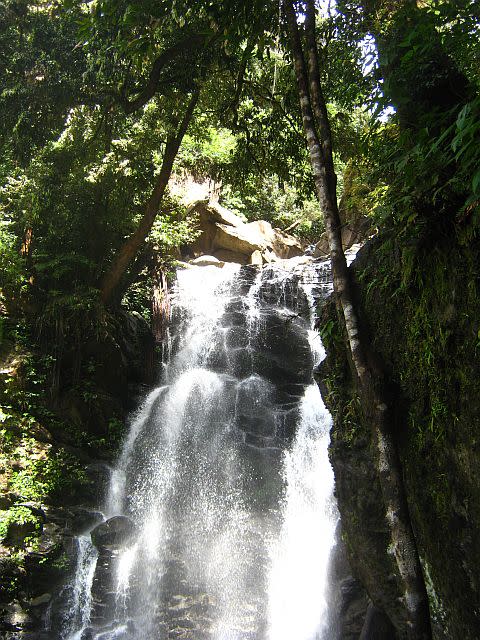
(254, 440)
(83, 519)
(115, 532)
(233, 319)
(253, 407)
(347, 600)
(207, 261)
(29, 635)
(236, 338)
(282, 350)
(377, 626)
(286, 423)
(99, 476)
(39, 600)
(240, 362)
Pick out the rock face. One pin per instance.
(228, 238)
(272, 356)
(436, 408)
(109, 538)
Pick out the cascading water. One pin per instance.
(219, 514)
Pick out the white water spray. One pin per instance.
(224, 473)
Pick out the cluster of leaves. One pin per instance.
(46, 479)
(69, 203)
(281, 204)
(41, 75)
(423, 161)
(18, 515)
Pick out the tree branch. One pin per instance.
(241, 79)
(127, 252)
(151, 87)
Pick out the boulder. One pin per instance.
(209, 215)
(241, 239)
(115, 532)
(225, 236)
(207, 261)
(232, 256)
(225, 216)
(39, 600)
(321, 249)
(282, 244)
(281, 351)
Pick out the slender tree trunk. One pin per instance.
(160, 304)
(127, 252)
(317, 132)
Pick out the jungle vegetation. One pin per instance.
(105, 103)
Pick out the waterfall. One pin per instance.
(219, 518)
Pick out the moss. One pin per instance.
(358, 492)
(421, 307)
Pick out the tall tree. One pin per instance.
(371, 386)
(159, 51)
(129, 249)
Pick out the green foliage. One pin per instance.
(12, 265)
(174, 226)
(83, 138)
(206, 151)
(46, 478)
(18, 515)
(41, 75)
(282, 205)
(431, 288)
(458, 26)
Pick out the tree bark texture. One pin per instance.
(160, 305)
(371, 387)
(127, 252)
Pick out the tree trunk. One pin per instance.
(127, 252)
(317, 132)
(160, 305)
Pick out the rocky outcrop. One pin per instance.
(227, 237)
(36, 574)
(109, 537)
(427, 339)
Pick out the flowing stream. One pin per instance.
(219, 515)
